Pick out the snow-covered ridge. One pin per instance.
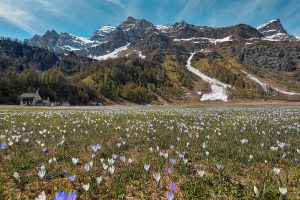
(266, 24)
(163, 28)
(81, 40)
(113, 54)
(265, 86)
(219, 89)
(277, 37)
(106, 29)
(211, 40)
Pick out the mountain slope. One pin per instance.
(144, 63)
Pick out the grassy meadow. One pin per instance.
(151, 152)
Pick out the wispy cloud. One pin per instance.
(17, 16)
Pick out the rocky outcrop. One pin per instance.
(267, 56)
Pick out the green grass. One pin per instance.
(141, 128)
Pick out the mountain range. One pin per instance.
(188, 62)
(132, 32)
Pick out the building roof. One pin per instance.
(31, 95)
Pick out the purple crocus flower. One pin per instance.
(61, 195)
(44, 149)
(171, 146)
(72, 178)
(2, 145)
(172, 187)
(93, 155)
(172, 161)
(94, 148)
(168, 170)
(65, 172)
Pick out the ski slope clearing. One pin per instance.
(218, 88)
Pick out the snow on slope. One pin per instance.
(263, 85)
(266, 24)
(113, 54)
(211, 40)
(163, 28)
(218, 88)
(106, 29)
(140, 54)
(266, 86)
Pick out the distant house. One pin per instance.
(33, 99)
(30, 99)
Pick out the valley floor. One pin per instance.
(233, 150)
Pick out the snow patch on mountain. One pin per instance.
(140, 54)
(163, 28)
(106, 29)
(266, 24)
(266, 87)
(210, 40)
(113, 54)
(69, 48)
(263, 85)
(219, 89)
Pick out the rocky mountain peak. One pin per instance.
(182, 25)
(273, 30)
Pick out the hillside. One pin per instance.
(142, 63)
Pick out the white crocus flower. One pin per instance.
(201, 173)
(146, 167)
(156, 177)
(41, 196)
(283, 190)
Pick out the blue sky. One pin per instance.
(23, 18)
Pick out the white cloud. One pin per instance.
(17, 16)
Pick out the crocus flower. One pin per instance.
(172, 161)
(86, 187)
(168, 170)
(276, 170)
(42, 172)
(41, 196)
(86, 167)
(244, 141)
(111, 170)
(283, 190)
(72, 178)
(3, 145)
(44, 149)
(156, 177)
(201, 173)
(146, 167)
(75, 161)
(61, 195)
(256, 191)
(170, 196)
(99, 180)
(172, 187)
(16, 175)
